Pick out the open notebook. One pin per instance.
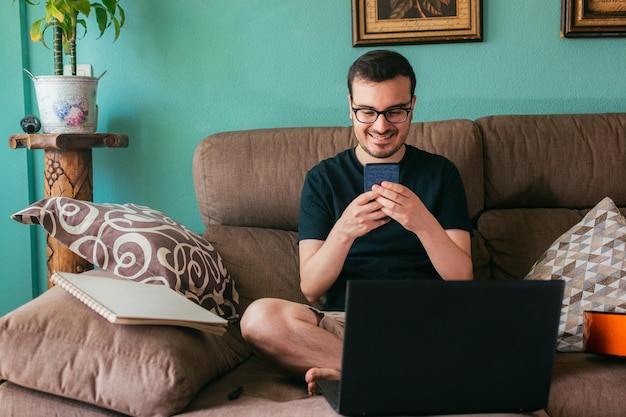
(122, 301)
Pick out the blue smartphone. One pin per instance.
(379, 172)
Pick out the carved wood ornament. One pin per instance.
(68, 172)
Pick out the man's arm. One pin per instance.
(450, 254)
(448, 250)
(321, 261)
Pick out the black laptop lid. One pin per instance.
(441, 347)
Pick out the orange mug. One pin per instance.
(604, 333)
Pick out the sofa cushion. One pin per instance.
(22, 401)
(139, 243)
(55, 344)
(516, 238)
(264, 262)
(590, 258)
(481, 258)
(587, 385)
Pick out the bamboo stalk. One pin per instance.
(57, 44)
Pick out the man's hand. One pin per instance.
(402, 205)
(361, 216)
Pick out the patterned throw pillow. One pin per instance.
(140, 244)
(590, 258)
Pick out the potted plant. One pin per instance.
(68, 103)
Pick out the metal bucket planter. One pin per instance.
(67, 104)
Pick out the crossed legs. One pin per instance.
(288, 334)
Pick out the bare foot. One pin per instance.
(316, 374)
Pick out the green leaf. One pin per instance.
(83, 23)
(117, 25)
(44, 27)
(81, 6)
(102, 18)
(111, 5)
(67, 15)
(66, 46)
(35, 30)
(122, 15)
(53, 12)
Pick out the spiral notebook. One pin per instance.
(122, 301)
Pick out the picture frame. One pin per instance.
(395, 22)
(593, 18)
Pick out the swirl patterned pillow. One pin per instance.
(140, 244)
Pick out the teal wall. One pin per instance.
(18, 271)
(185, 69)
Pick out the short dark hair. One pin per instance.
(381, 65)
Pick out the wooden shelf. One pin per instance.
(68, 141)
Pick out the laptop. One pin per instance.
(422, 347)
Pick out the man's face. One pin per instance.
(381, 141)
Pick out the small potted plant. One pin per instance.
(68, 103)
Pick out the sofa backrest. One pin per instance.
(254, 177)
(528, 179)
(563, 160)
(542, 174)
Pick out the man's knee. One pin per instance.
(257, 319)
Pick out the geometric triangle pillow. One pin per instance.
(591, 259)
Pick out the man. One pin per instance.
(418, 228)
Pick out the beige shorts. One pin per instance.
(331, 321)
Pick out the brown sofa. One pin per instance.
(528, 180)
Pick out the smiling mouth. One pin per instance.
(381, 138)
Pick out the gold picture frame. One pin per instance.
(591, 18)
(393, 22)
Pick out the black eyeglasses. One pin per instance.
(369, 116)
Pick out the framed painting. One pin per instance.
(589, 18)
(393, 22)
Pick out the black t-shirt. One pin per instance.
(389, 252)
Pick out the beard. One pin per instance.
(381, 152)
